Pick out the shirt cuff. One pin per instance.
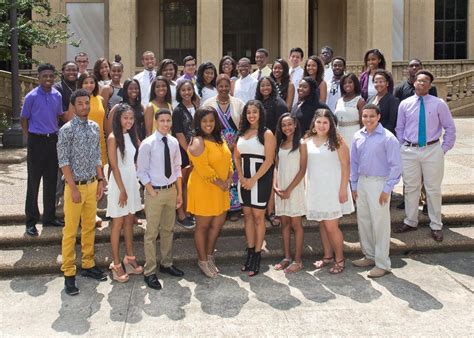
(354, 186)
(387, 189)
(62, 164)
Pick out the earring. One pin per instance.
(313, 130)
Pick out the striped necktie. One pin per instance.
(422, 125)
(259, 74)
(150, 75)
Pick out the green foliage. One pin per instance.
(46, 30)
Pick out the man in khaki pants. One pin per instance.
(421, 120)
(159, 170)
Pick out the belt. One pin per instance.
(163, 187)
(409, 144)
(348, 123)
(43, 135)
(91, 180)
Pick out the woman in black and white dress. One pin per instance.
(254, 155)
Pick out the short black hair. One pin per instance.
(328, 48)
(162, 111)
(417, 60)
(46, 66)
(339, 58)
(297, 50)
(78, 93)
(372, 106)
(188, 58)
(63, 66)
(262, 50)
(425, 72)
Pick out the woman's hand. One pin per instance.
(343, 195)
(123, 199)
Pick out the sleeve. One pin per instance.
(392, 148)
(177, 121)
(143, 163)
(202, 167)
(354, 175)
(26, 109)
(434, 91)
(398, 92)
(177, 159)
(59, 105)
(393, 113)
(446, 119)
(63, 147)
(400, 128)
(97, 153)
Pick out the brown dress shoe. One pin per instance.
(437, 235)
(404, 228)
(377, 272)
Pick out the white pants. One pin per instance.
(423, 165)
(373, 220)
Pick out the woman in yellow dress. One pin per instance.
(160, 98)
(211, 177)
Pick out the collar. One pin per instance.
(378, 130)
(43, 92)
(76, 120)
(159, 135)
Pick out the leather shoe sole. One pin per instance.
(437, 235)
(404, 228)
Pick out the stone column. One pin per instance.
(294, 26)
(419, 29)
(209, 31)
(271, 27)
(369, 25)
(123, 33)
(470, 30)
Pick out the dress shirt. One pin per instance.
(437, 115)
(266, 71)
(376, 154)
(407, 89)
(328, 73)
(145, 85)
(333, 93)
(151, 160)
(186, 77)
(42, 109)
(245, 88)
(79, 147)
(296, 74)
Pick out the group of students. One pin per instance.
(251, 144)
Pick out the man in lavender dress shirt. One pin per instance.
(375, 169)
(189, 72)
(422, 153)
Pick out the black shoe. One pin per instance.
(248, 260)
(172, 270)
(425, 209)
(401, 205)
(53, 223)
(186, 223)
(254, 267)
(31, 230)
(94, 273)
(153, 282)
(70, 285)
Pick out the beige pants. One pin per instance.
(373, 220)
(160, 219)
(423, 165)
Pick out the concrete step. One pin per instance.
(13, 235)
(47, 259)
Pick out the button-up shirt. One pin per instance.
(79, 147)
(437, 116)
(376, 154)
(333, 93)
(145, 85)
(151, 160)
(266, 71)
(245, 88)
(42, 109)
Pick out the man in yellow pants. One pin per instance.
(79, 159)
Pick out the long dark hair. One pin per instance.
(319, 71)
(118, 130)
(333, 136)
(313, 85)
(379, 54)
(285, 78)
(199, 115)
(97, 65)
(179, 98)
(200, 76)
(245, 124)
(234, 65)
(273, 94)
(168, 89)
(281, 137)
(126, 84)
(83, 77)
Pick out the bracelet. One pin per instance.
(100, 179)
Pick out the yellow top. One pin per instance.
(204, 197)
(97, 114)
(155, 109)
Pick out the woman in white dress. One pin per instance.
(123, 199)
(349, 108)
(290, 169)
(328, 194)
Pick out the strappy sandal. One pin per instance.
(338, 267)
(274, 220)
(284, 263)
(319, 264)
(294, 267)
(131, 266)
(118, 273)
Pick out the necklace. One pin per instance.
(222, 102)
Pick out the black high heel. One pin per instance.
(248, 261)
(255, 264)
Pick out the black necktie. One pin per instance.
(167, 158)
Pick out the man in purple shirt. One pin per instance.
(421, 120)
(189, 72)
(375, 169)
(39, 120)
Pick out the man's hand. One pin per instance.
(100, 190)
(383, 199)
(354, 195)
(179, 201)
(75, 195)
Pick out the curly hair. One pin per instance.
(245, 124)
(199, 115)
(333, 136)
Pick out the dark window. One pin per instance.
(179, 18)
(450, 29)
(242, 28)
